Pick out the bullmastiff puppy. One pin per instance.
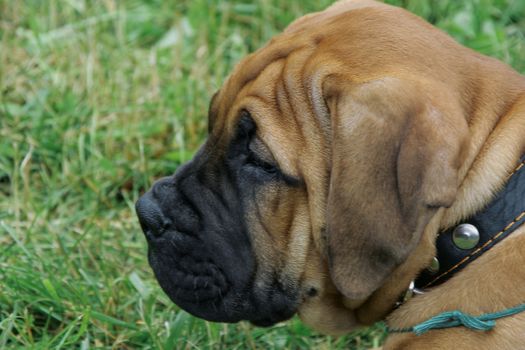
(336, 155)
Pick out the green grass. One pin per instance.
(99, 98)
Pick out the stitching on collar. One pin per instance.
(465, 259)
(426, 280)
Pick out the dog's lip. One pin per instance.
(265, 322)
(233, 305)
(163, 235)
(272, 320)
(276, 316)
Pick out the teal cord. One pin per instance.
(456, 318)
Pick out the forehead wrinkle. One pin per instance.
(316, 70)
(226, 124)
(246, 71)
(294, 84)
(309, 73)
(295, 88)
(249, 68)
(271, 135)
(262, 85)
(281, 96)
(277, 88)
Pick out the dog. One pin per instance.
(336, 156)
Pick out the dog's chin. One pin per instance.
(273, 319)
(328, 315)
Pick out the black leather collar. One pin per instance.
(496, 221)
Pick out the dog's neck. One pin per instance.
(461, 244)
(491, 157)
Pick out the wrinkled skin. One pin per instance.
(333, 154)
(241, 231)
(199, 243)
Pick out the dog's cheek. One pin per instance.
(280, 232)
(267, 216)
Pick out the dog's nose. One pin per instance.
(153, 222)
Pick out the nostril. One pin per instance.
(151, 218)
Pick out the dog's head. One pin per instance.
(329, 151)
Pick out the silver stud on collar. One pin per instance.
(433, 268)
(411, 291)
(465, 236)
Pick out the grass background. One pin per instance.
(99, 98)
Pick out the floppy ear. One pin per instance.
(395, 161)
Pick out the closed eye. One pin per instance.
(254, 160)
(256, 155)
(260, 155)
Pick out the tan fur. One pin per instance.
(397, 132)
(491, 283)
